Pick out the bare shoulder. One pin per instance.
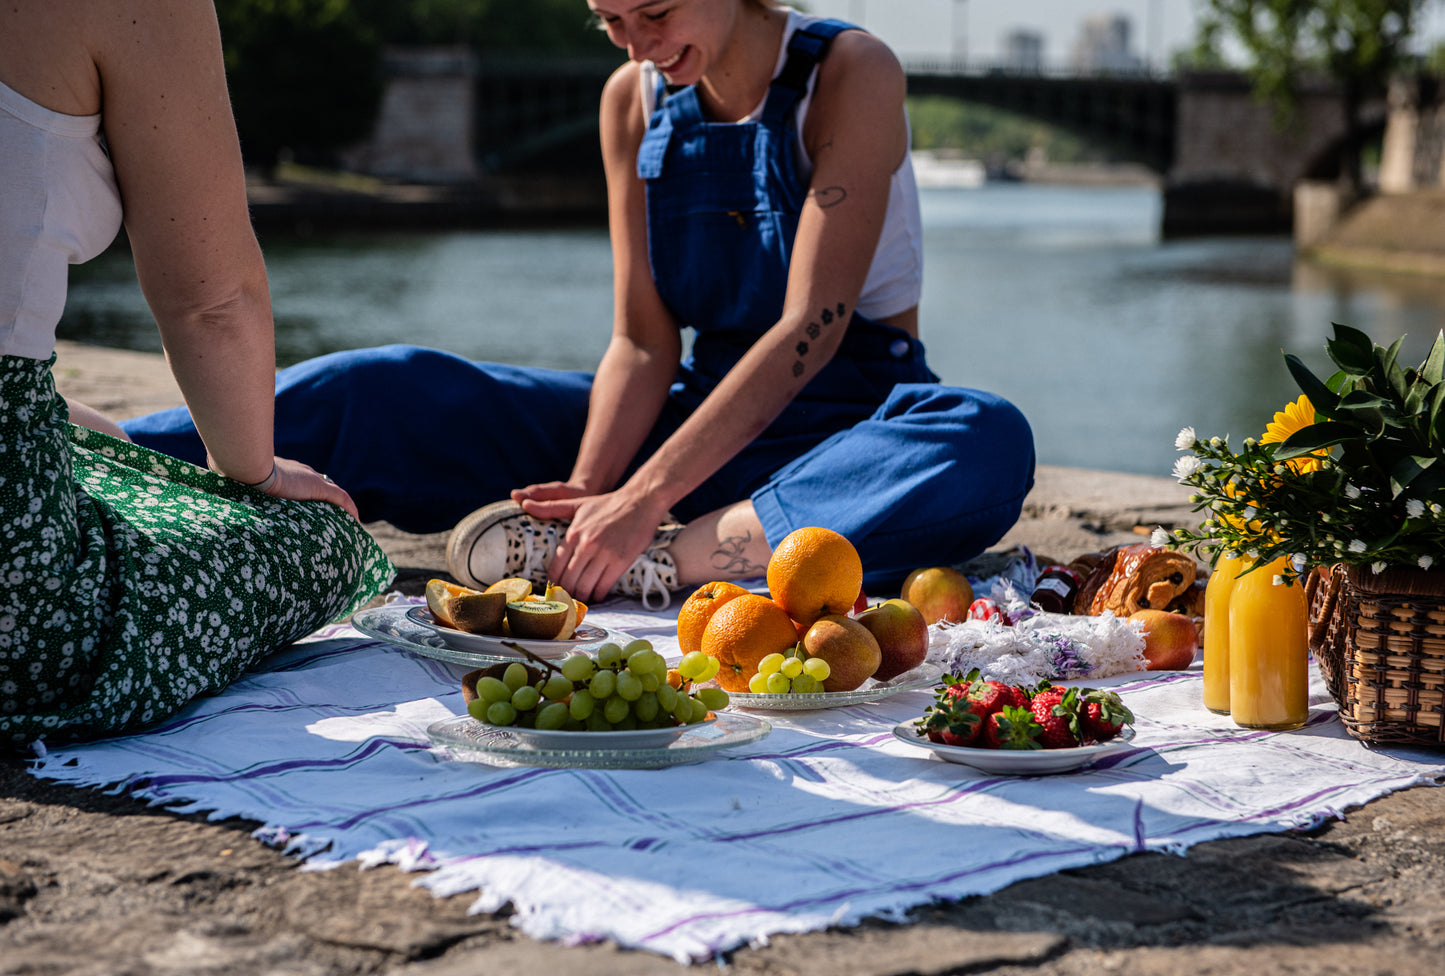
(621, 114)
(861, 59)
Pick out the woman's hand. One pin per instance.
(302, 483)
(607, 533)
(550, 491)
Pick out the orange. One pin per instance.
(742, 632)
(815, 571)
(698, 609)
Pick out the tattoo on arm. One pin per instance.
(731, 558)
(827, 316)
(828, 196)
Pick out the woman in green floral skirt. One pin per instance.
(131, 582)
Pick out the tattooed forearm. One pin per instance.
(812, 330)
(730, 557)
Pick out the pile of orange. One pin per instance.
(813, 572)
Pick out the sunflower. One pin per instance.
(1295, 417)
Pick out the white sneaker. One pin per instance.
(501, 541)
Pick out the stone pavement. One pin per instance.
(98, 884)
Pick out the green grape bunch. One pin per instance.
(796, 672)
(616, 689)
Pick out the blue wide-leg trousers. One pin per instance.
(932, 475)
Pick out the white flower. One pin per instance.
(1414, 508)
(1186, 466)
(1159, 537)
(1425, 561)
(1251, 554)
(1325, 517)
(1215, 442)
(1276, 580)
(1249, 513)
(1186, 439)
(1298, 562)
(1351, 492)
(1377, 568)
(1358, 545)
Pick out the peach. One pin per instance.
(939, 593)
(1170, 639)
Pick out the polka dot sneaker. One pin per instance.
(501, 541)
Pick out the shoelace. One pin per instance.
(649, 585)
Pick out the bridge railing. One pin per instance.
(976, 68)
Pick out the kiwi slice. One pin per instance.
(536, 619)
(478, 613)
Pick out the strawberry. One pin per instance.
(1011, 727)
(952, 719)
(1056, 710)
(990, 696)
(1101, 715)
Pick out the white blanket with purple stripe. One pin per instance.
(826, 821)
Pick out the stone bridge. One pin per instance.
(1225, 163)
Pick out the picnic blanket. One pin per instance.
(826, 821)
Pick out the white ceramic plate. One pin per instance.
(1017, 762)
(498, 646)
(926, 675)
(467, 738)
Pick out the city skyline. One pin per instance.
(977, 28)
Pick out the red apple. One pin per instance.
(939, 593)
(1170, 639)
(860, 604)
(902, 636)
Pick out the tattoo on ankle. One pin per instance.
(729, 557)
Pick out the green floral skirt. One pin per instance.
(131, 582)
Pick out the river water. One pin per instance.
(1063, 299)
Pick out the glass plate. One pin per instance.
(1016, 762)
(391, 624)
(926, 675)
(497, 646)
(469, 739)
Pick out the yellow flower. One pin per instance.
(1294, 417)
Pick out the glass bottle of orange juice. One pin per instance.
(1268, 651)
(1216, 632)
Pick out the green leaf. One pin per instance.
(1309, 439)
(1391, 369)
(1351, 350)
(1321, 397)
(1406, 469)
(1432, 370)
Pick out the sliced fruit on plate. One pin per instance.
(514, 587)
(438, 592)
(555, 594)
(536, 619)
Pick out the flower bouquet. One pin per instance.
(1347, 488)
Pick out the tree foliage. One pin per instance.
(303, 74)
(1358, 44)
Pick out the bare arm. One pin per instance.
(173, 143)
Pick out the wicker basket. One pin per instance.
(1379, 640)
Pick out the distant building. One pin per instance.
(1023, 51)
(1103, 46)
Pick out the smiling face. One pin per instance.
(684, 38)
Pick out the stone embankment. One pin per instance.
(98, 884)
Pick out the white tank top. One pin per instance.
(895, 278)
(58, 206)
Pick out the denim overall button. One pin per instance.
(900, 348)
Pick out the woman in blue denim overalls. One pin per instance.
(760, 193)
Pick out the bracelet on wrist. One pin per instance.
(261, 485)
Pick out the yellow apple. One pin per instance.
(850, 649)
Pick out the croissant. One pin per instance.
(1138, 577)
